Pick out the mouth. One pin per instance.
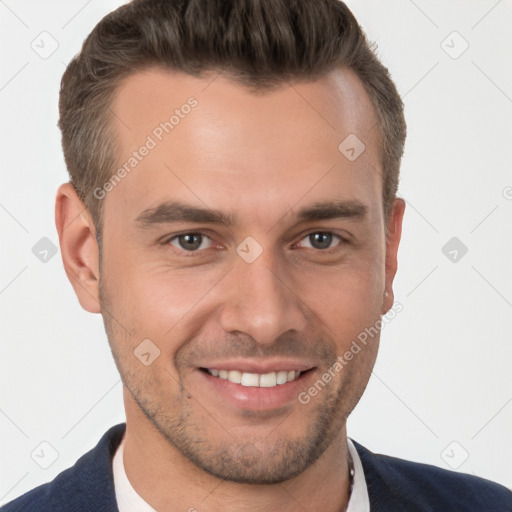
(256, 380)
(251, 387)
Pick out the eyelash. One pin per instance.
(167, 242)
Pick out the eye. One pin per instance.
(322, 240)
(190, 242)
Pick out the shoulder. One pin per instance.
(88, 485)
(398, 484)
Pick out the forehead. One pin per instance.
(209, 141)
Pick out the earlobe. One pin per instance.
(79, 249)
(392, 243)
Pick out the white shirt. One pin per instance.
(127, 498)
(359, 499)
(129, 501)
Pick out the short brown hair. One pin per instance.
(258, 43)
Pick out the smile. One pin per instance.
(257, 380)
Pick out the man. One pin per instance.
(232, 214)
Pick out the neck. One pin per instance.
(167, 480)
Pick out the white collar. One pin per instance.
(129, 501)
(127, 498)
(359, 499)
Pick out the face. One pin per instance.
(248, 252)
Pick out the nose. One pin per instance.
(261, 300)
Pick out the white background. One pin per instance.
(442, 386)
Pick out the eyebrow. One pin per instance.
(174, 211)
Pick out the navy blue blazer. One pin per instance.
(394, 485)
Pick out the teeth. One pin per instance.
(263, 380)
(268, 380)
(282, 377)
(235, 376)
(250, 379)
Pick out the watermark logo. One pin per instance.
(146, 352)
(44, 45)
(352, 147)
(454, 249)
(455, 455)
(454, 45)
(249, 249)
(44, 250)
(44, 455)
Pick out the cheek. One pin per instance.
(346, 299)
(159, 302)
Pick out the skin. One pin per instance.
(260, 158)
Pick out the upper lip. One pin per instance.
(259, 366)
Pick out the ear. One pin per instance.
(80, 254)
(394, 225)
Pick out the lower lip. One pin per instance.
(255, 398)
